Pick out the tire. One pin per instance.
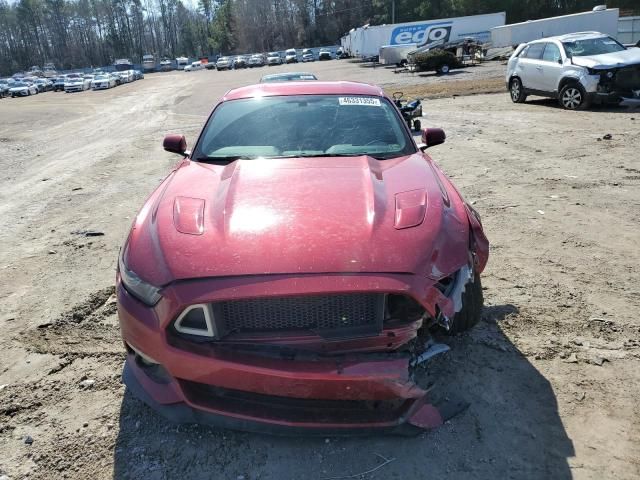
(471, 312)
(416, 125)
(573, 97)
(444, 69)
(516, 91)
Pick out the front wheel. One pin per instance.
(573, 97)
(471, 311)
(517, 91)
(444, 69)
(417, 125)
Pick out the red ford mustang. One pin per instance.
(287, 274)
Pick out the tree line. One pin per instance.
(81, 33)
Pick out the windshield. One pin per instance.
(288, 77)
(592, 46)
(304, 126)
(101, 77)
(19, 85)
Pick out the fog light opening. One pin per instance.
(196, 320)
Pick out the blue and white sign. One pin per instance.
(422, 34)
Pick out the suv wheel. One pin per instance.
(444, 69)
(573, 97)
(517, 91)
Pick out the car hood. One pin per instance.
(623, 58)
(17, 89)
(299, 216)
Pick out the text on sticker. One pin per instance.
(372, 102)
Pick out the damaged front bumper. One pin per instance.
(407, 410)
(616, 85)
(291, 383)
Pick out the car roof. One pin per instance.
(572, 37)
(303, 88)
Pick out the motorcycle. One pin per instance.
(409, 110)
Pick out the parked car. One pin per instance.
(288, 77)
(58, 83)
(307, 55)
(43, 85)
(210, 65)
(340, 53)
(224, 63)
(5, 86)
(255, 61)
(138, 75)
(239, 62)
(103, 81)
(274, 58)
(291, 56)
(126, 76)
(194, 66)
(577, 69)
(219, 324)
(325, 55)
(166, 65)
(76, 83)
(22, 89)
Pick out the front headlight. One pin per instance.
(143, 291)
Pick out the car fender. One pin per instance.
(575, 73)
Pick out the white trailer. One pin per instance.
(182, 62)
(629, 31)
(603, 20)
(366, 41)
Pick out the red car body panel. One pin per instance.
(290, 227)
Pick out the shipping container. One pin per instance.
(366, 41)
(599, 20)
(629, 30)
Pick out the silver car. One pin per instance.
(577, 69)
(223, 63)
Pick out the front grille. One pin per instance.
(289, 409)
(628, 78)
(328, 315)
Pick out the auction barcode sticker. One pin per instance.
(370, 101)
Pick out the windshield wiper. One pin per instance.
(224, 160)
(316, 155)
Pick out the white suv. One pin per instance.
(577, 69)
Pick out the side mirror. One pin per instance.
(175, 143)
(432, 137)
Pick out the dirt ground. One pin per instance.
(552, 373)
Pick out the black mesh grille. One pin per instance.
(361, 312)
(628, 78)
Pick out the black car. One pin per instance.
(43, 85)
(58, 84)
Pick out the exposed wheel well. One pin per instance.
(567, 81)
(512, 78)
